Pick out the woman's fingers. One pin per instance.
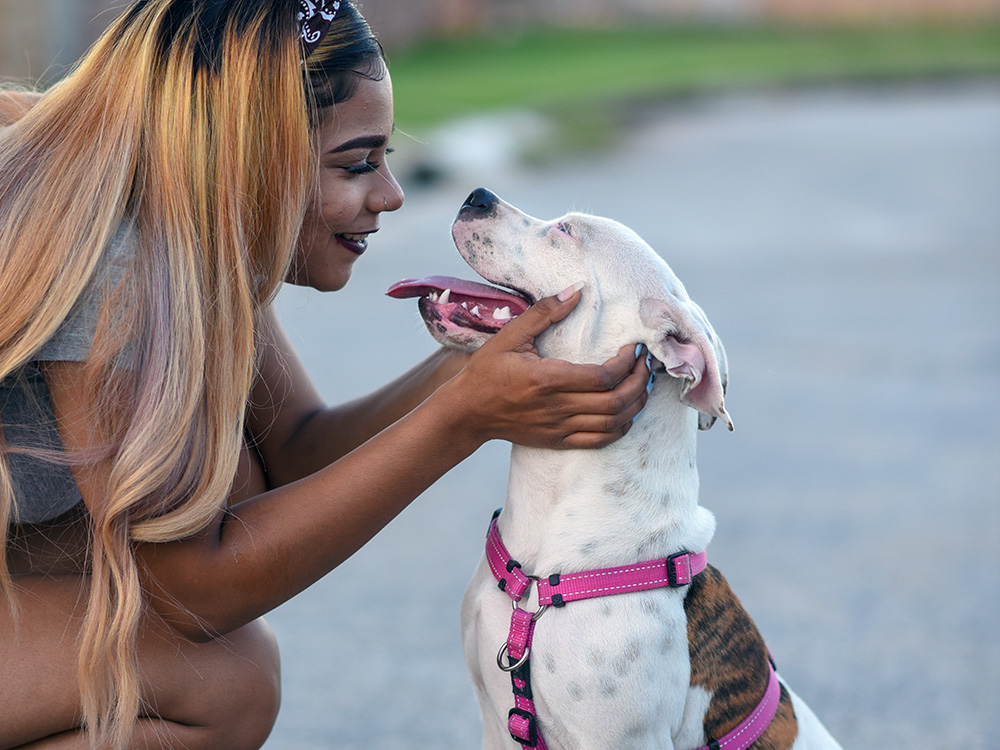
(596, 419)
(513, 394)
(580, 410)
(519, 335)
(623, 375)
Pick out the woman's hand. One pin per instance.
(507, 391)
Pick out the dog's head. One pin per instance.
(631, 295)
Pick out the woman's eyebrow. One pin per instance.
(364, 141)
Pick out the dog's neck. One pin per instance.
(636, 499)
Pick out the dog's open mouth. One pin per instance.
(451, 304)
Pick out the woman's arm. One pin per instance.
(266, 549)
(296, 434)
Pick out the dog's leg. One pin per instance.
(476, 645)
(812, 734)
(495, 737)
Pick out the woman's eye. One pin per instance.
(368, 166)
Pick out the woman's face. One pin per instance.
(354, 187)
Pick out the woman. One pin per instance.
(168, 474)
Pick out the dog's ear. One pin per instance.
(685, 342)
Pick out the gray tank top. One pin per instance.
(46, 489)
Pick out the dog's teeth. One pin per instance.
(502, 313)
(445, 297)
(475, 311)
(433, 297)
(465, 305)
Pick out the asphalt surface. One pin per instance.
(846, 246)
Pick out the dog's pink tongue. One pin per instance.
(460, 290)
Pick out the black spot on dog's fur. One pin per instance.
(608, 687)
(587, 549)
(549, 663)
(652, 606)
(575, 691)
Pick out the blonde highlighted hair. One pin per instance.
(189, 121)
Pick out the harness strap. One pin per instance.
(744, 734)
(557, 590)
(505, 568)
(521, 721)
(674, 571)
(522, 627)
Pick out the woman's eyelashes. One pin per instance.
(366, 167)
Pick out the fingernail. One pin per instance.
(638, 350)
(565, 294)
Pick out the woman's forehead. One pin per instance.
(368, 113)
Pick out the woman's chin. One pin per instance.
(325, 282)
(331, 274)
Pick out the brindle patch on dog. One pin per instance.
(729, 660)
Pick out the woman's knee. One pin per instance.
(252, 686)
(229, 688)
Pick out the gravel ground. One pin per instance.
(846, 245)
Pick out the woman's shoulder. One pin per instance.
(72, 340)
(44, 489)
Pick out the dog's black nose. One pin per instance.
(481, 199)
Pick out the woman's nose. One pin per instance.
(391, 198)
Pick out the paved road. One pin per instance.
(846, 246)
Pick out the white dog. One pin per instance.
(624, 657)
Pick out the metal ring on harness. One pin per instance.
(510, 667)
(541, 608)
(503, 648)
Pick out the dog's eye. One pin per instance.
(562, 226)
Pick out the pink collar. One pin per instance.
(557, 590)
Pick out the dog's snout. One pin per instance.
(482, 200)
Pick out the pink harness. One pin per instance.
(558, 590)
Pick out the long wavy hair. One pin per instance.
(190, 121)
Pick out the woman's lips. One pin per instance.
(356, 243)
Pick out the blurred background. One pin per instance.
(824, 176)
(40, 39)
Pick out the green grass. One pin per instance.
(570, 73)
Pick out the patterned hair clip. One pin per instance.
(315, 17)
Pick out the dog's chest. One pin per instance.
(623, 657)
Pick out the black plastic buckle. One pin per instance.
(557, 599)
(522, 674)
(532, 739)
(672, 571)
(502, 582)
